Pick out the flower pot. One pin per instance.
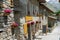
(28, 23)
(7, 12)
(14, 24)
(32, 22)
(37, 22)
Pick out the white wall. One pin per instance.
(45, 20)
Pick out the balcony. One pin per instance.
(52, 16)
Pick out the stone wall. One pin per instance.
(6, 34)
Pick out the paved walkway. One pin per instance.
(54, 35)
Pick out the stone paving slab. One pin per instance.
(55, 35)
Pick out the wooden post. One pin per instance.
(30, 37)
(29, 31)
(29, 24)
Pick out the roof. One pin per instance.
(49, 6)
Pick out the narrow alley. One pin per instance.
(29, 19)
(54, 35)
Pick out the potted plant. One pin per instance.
(14, 24)
(7, 12)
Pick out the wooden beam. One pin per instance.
(41, 1)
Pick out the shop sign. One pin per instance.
(28, 18)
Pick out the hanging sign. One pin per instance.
(28, 18)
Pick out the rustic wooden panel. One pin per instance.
(44, 7)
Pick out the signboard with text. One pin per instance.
(28, 18)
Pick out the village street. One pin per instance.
(54, 35)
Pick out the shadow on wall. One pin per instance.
(51, 23)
